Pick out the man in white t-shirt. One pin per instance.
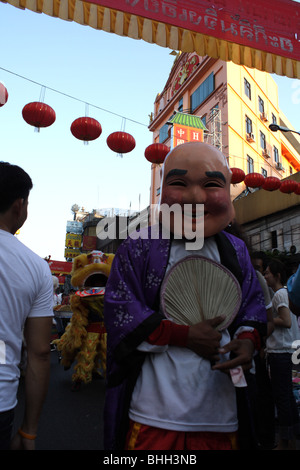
(26, 296)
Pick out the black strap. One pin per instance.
(228, 256)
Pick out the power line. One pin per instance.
(72, 97)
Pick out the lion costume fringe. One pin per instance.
(84, 340)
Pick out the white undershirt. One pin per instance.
(176, 389)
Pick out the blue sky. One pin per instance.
(120, 75)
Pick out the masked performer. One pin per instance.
(168, 384)
(84, 340)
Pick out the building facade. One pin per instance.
(236, 105)
(271, 220)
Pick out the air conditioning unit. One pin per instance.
(264, 117)
(250, 137)
(266, 153)
(279, 166)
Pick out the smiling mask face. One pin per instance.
(197, 173)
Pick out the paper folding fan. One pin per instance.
(197, 289)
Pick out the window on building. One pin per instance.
(202, 92)
(203, 119)
(274, 119)
(262, 139)
(274, 243)
(291, 170)
(276, 154)
(280, 239)
(248, 125)
(250, 164)
(163, 133)
(261, 105)
(180, 105)
(264, 172)
(247, 88)
(295, 235)
(255, 242)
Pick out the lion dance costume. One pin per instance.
(84, 340)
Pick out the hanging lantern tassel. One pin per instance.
(156, 153)
(86, 129)
(120, 142)
(238, 175)
(38, 114)
(3, 94)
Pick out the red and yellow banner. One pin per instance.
(263, 35)
(271, 25)
(60, 267)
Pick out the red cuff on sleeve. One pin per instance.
(254, 336)
(169, 333)
(179, 335)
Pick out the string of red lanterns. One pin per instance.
(288, 186)
(238, 175)
(156, 153)
(254, 180)
(86, 129)
(269, 183)
(120, 142)
(39, 114)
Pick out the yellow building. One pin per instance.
(236, 105)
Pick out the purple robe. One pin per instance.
(131, 311)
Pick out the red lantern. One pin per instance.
(297, 190)
(238, 175)
(254, 180)
(271, 183)
(156, 153)
(288, 186)
(38, 114)
(3, 94)
(86, 128)
(120, 142)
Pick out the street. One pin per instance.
(69, 420)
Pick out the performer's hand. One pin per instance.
(243, 350)
(204, 338)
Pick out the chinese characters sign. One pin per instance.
(259, 34)
(72, 253)
(73, 240)
(182, 134)
(271, 26)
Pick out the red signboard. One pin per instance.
(60, 267)
(182, 134)
(89, 243)
(271, 25)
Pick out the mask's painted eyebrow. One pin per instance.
(175, 172)
(216, 174)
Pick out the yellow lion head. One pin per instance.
(91, 270)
